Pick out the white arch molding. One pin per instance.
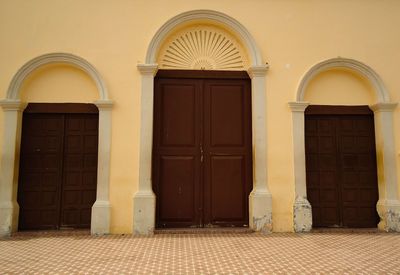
(388, 206)
(260, 200)
(12, 107)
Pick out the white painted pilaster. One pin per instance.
(101, 210)
(302, 213)
(144, 200)
(260, 199)
(388, 206)
(9, 208)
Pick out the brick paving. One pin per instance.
(213, 253)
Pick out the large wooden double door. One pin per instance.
(341, 166)
(202, 161)
(58, 166)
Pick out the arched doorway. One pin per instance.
(260, 202)
(388, 202)
(12, 107)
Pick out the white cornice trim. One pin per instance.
(11, 105)
(260, 70)
(298, 106)
(345, 63)
(13, 92)
(148, 69)
(104, 104)
(384, 107)
(237, 28)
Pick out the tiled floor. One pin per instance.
(216, 253)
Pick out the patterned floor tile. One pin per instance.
(77, 252)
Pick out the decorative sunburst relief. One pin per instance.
(202, 47)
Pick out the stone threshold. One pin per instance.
(214, 230)
(345, 230)
(44, 233)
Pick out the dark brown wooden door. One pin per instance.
(341, 166)
(79, 169)
(202, 150)
(58, 169)
(40, 174)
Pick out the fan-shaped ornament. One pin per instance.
(202, 48)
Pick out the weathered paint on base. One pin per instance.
(8, 218)
(260, 206)
(302, 215)
(389, 212)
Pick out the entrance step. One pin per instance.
(51, 233)
(219, 230)
(345, 230)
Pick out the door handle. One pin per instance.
(201, 153)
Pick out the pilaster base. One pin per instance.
(144, 213)
(8, 218)
(389, 212)
(302, 215)
(101, 211)
(260, 206)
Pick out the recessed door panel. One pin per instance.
(178, 114)
(177, 190)
(227, 114)
(227, 202)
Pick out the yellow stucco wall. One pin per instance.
(340, 87)
(114, 35)
(58, 83)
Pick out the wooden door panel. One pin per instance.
(177, 191)
(227, 203)
(227, 147)
(357, 152)
(329, 216)
(176, 152)
(178, 114)
(90, 144)
(227, 114)
(340, 148)
(40, 171)
(80, 164)
(321, 166)
(326, 145)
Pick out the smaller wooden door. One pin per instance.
(58, 166)
(341, 166)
